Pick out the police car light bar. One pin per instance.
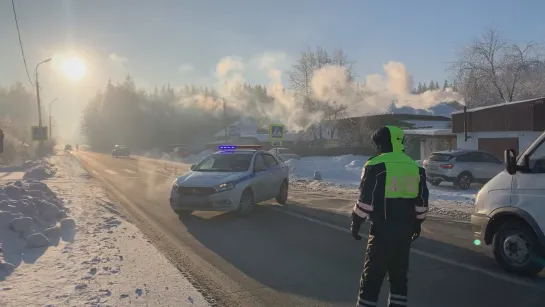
(233, 147)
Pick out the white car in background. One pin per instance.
(461, 167)
(232, 179)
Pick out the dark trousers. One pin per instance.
(388, 250)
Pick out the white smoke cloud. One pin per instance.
(229, 64)
(330, 85)
(377, 92)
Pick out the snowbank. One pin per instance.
(100, 260)
(341, 176)
(29, 217)
(39, 170)
(340, 170)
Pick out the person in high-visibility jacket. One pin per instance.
(394, 197)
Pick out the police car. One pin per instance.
(232, 179)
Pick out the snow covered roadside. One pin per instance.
(39, 170)
(90, 254)
(341, 177)
(457, 208)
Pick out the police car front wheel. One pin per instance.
(282, 196)
(246, 203)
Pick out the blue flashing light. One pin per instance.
(233, 147)
(227, 147)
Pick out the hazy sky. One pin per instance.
(181, 41)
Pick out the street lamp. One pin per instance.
(49, 108)
(38, 102)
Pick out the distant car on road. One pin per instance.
(284, 154)
(232, 179)
(462, 167)
(121, 151)
(67, 147)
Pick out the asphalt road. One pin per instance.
(274, 258)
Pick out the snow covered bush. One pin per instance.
(29, 216)
(39, 170)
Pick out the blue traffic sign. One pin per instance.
(276, 132)
(39, 133)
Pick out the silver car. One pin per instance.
(232, 179)
(461, 167)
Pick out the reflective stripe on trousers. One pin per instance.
(387, 252)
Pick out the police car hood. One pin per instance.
(208, 179)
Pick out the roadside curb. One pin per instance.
(338, 217)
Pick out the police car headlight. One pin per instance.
(224, 187)
(175, 185)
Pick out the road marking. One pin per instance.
(129, 171)
(109, 171)
(466, 266)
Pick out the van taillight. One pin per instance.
(446, 166)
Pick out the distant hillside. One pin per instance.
(441, 109)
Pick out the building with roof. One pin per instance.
(250, 131)
(420, 143)
(424, 133)
(498, 127)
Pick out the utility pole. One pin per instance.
(40, 145)
(38, 100)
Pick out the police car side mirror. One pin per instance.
(193, 166)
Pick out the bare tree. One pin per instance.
(300, 79)
(492, 69)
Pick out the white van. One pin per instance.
(510, 211)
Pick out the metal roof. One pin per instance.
(498, 105)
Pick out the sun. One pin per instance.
(74, 68)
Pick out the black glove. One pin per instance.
(355, 229)
(417, 229)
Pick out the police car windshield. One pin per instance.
(225, 162)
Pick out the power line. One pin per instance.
(20, 42)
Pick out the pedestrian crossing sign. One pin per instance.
(39, 133)
(276, 132)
